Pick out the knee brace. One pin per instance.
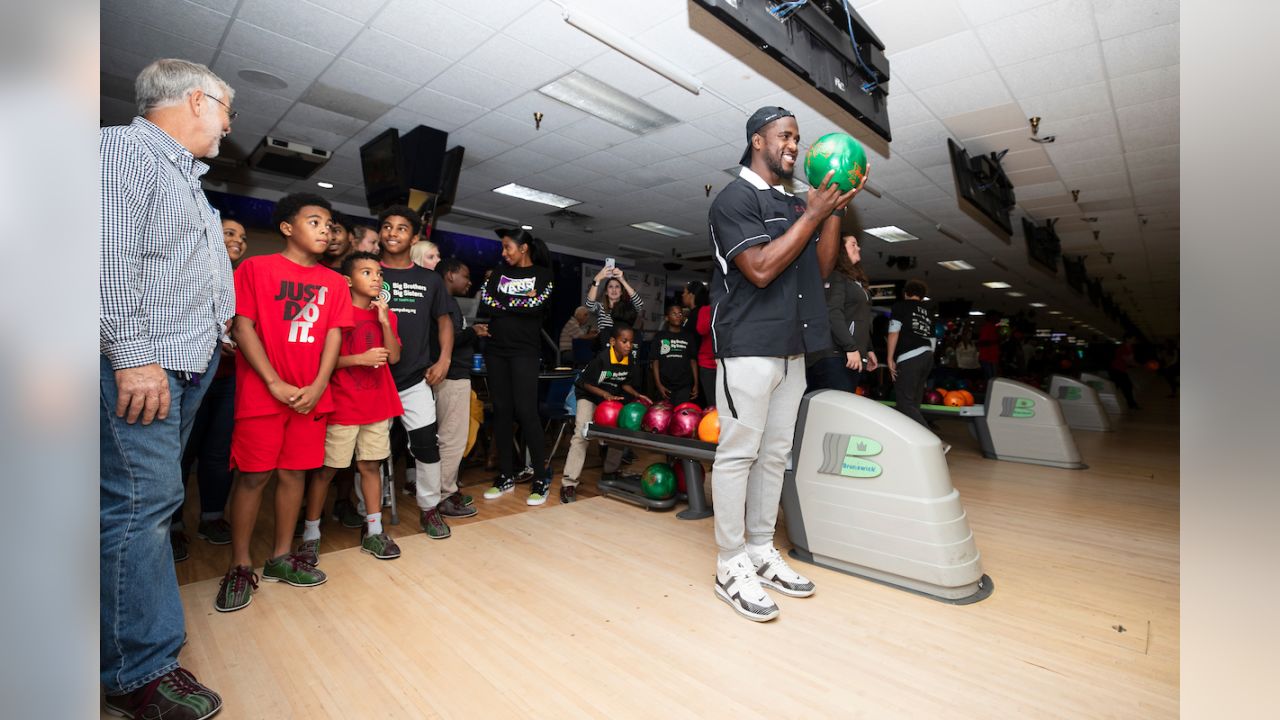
(423, 444)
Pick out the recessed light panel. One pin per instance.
(538, 196)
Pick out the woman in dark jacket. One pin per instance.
(849, 315)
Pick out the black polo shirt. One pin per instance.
(789, 315)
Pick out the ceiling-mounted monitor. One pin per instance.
(984, 191)
(1043, 246)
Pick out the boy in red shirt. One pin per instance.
(289, 315)
(364, 401)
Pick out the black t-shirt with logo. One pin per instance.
(417, 296)
(605, 374)
(673, 352)
(917, 326)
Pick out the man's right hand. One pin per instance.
(827, 198)
(142, 392)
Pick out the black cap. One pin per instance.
(758, 120)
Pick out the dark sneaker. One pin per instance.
(345, 513)
(176, 695)
(776, 574)
(456, 506)
(568, 494)
(178, 541)
(214, 532)
(380, 546)
(236, 590)
(433, 524)
(293, 570)
(538, 492)
(501, 486)
(309, 550)
(525, 475)
(738, 585)
(628, 457)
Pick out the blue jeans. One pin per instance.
(830, 373)
(140, 613)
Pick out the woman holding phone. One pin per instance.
(620, 301)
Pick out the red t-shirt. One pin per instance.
(989, 343)
(363, 394)
(706, 353)
(292, 308)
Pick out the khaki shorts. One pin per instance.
(368, 442)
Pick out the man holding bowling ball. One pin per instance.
(772, 250)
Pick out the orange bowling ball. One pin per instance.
(860, 390)
(709, 427)
(953, 399)
(968, 396)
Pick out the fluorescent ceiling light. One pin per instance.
(891, 233)
(538, 196)
(657, 227)
(325, 185)
(1015, 293)
(956, 265)
(996, 285)
(526, 227)
(607, 103)
(1037, 305)
(979, 313)
(629, 47)
(642, 250)
(1055, 312)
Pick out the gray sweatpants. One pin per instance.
(758, 399)
(586, 410)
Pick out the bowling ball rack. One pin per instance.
(689, 452)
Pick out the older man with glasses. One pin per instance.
(166, 297)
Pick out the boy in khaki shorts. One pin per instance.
(364, 401)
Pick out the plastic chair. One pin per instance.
(553, 409)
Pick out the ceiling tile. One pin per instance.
(311, 24)
(359, 10)
(1086, 168)
(941, 175)
(1067, 152)
(228, 66)
(605, 163)
(981, 12)
(474, 87)
(941, 61)
(356, 78)
(345, 102)
(642, 152)
(308, 135)
(630, 17)
(312, 116)
(516, 62)
(1150, 137)
(595, 132)
(496, 15)
(505, 128)
(922, 135)
(123, 63)
(1145, 50)
(906, 109)
(1011, 140)
(1040, 190)
(123, 33)
(479, 147)
(1080, 128)
(1025, 160)
(1121, 17)
(1056, 72)
(1041, 31)
(255, 43)
(429, 25)
(924, 193)
(683, 139)
(675, 42)
(1087, 185)
(1033, 176)
(1069, 103)
(394, 56)
(680, 103)
(178, 17)
(450, 111)
(1155, 172)
(927, 156)
(519, 161)
(556, 116)
(1145, 86)
(1150, 114)
(1152, 156)
(618, 70)
(226, 7)
(905, 24)
(987, 121)
(983, 90)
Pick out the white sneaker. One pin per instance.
(738, 585)
(776, 574)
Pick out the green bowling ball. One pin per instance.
(838, 152)
(658, 481)
(631, 415)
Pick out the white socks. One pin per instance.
(310, 530)
(374, 523)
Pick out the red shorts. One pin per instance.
(284, 441)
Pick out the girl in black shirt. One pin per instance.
(516, 295)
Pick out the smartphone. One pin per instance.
(609, 263)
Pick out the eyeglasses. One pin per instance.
(231, 114)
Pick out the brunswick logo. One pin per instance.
(1069, 393)
(385, 295)
(1017, 407)
(846, 455)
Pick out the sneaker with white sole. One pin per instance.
(776, 574)
(738, 584)
(525, 475)
(538, 492)
(501, 486)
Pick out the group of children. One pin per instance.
(327, 360)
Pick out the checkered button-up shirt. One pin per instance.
(165, 278)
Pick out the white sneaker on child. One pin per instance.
(738, 585)
(776, 574)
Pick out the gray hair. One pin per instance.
(168, 81)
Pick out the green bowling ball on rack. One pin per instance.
(631, 415)
(658, 481)
(838, 152)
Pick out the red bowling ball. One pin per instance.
(684, 422)
(607, 413)
(656, 419)
(689, 405)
